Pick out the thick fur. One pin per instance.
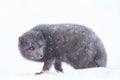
(74, 44)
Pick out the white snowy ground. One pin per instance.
(18, 16)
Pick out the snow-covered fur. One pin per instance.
(74, 44)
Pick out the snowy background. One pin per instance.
(18, 16)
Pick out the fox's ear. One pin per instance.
(40, 35)
(21, 40)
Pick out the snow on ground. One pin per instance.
(18, 16)
(27, 73)
(86, 74)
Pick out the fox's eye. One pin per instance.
(31, 48)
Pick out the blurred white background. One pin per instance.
(18, 16)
